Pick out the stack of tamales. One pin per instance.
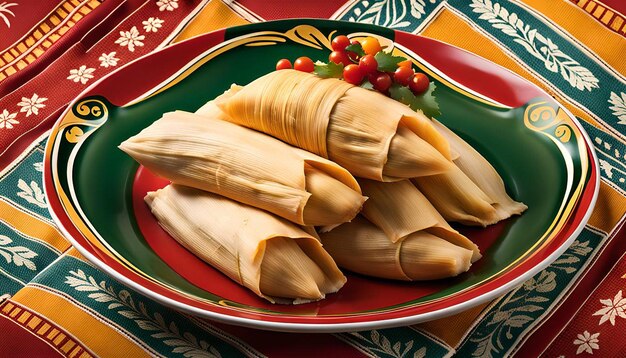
(254, 172)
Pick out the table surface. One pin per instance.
(54, 302)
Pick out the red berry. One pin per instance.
(283, 64)
(372, 77)
(405, 63)
(419, 83)
(304, 64)
(403, 75)
(352, 74)
(368, 64)
(382, 82)
(340, 43)
(339, 57)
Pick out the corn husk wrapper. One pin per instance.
(399, 235)
(362, 247)
(256, 249)
(400, 209)
(244, 165)
(349, 125)
(457, 197)
(483, 174)
(472, 192)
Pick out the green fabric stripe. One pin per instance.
(611, 156)
(21, 257)
(23, 185)
(394, 14)
(8, 283)
(552, 56)
(163, 329)
(521, 309)
(395, 342)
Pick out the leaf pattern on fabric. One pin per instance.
(612, 308)
(7, 120)
(4, 12)
(124, 304)
(32, 193)
(379, 345)
(18, 255)
(521, 307)
(536, 44)
(587, 342)
(32, 105)
(396, 14)
(130, 39)
(618, 106)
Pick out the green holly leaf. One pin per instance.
(367, 85)
(387, 62)
(356, 48)
(425, 102)
(327, 70)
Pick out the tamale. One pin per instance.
(483, 174)
(399, 235)
(472, 192)
(247, 166)
(361, 247)
(400, 209)
(457, 197)
(350, 125)
(274, 258)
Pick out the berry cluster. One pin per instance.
(362, 62)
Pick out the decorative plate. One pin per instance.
(96, 191)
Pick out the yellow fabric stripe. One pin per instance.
(479, 44)
(214, 16)
(452, 329)
(606, 43)
(33, 227)
(94, 334)
(609, 209)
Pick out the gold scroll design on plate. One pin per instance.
(310, 36)
(84, 116)
(542, 117)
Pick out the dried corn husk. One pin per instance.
(400, 209)
(361, 247)
(457, 197)
(472, 192)
(247, 166)
(275, 259)
(350, 125)
(484, 175)
(399, 235)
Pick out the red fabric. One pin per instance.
(28, 14)
(589, 326)
(63, 89)
(98, 23)
(278, 345)
(553, 328)
(617, 5)
(16, 341)
(284, 9)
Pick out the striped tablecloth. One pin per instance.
(56, 303)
